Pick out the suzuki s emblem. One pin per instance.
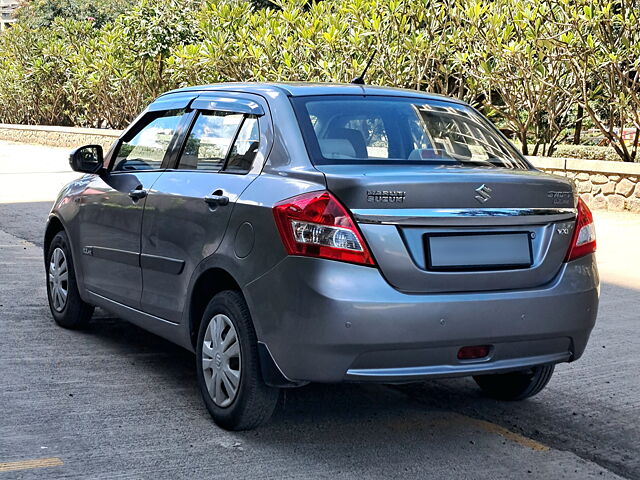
(483, 193)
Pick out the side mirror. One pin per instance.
(87, 159)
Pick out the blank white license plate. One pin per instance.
(478, 251)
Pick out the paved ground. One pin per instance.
(117, 402)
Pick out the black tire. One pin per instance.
(76, 313)
(254, 401)
(515, 385)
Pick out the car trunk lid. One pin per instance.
(459, 228)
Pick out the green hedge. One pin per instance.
(526, 65)
(587, 152)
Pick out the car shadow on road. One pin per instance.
(568, 415)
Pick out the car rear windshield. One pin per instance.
(354, 129)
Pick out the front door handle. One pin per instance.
(216, 200)
(137, 194)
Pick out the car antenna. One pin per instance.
(359, 80)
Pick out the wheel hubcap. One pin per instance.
(58, 279)
(221, 362)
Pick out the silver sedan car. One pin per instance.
(295, 233)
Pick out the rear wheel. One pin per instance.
(228, 368)
(67, 308)
(515, 385)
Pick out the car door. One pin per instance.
(112, 205)
(190, 205)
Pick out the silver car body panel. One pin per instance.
(340, 317)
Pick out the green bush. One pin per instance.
(517, 61)
(43, 13)
(122, 69)
(585, 152)
(36, 73)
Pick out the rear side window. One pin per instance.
(221, 140)
(354, 129)
(144, 147)
(245, 147)
(209, 140)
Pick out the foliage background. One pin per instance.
(541, 70)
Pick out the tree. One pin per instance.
(603, 51)
(523, 78)
(126, 67)
(535, 68)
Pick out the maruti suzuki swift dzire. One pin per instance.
(295, 233)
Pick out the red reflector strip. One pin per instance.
(470, 353)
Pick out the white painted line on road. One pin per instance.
(29, 464)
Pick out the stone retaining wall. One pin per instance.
(602, 185)
(69, 137)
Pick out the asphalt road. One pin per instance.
(114, 401)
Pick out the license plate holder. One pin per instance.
(478, 251)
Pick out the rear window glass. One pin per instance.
(354, 129)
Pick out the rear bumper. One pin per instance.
(326, 321)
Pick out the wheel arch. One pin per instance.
(54, 225)
(215, 280)
(210, 282)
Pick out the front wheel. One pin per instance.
(67, 308)
(228, 368)
(515, 385)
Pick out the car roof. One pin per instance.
(299, 89)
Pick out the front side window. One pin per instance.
(221, 140)
(144, 148)
(353, 129)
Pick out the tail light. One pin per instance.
(583, 241)
(315, 224)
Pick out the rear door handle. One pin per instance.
(216, 200)
(137, 194)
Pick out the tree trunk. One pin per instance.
(535, 149)
(523, 140)
(578, 128)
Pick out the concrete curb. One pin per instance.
(56, 136)
(72, 130)
(580, 165)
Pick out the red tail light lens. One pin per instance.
(315, 224)
(583, 241)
